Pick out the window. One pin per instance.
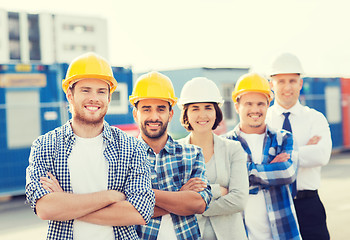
(22, 118)
(34, 36)
(333, 104)
(228, 107)
(80, 48)
(78, 28)
(14, 42)
(119, 101)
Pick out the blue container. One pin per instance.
(324, 95)
(120, 111)
(29, 106)
(32, 103)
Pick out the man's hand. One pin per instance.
(282, 157)
(116, 196)
(194, 184)
(314, 140)
(50, 184)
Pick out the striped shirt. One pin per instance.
(175, 165)
(128, 172)
(275, 180)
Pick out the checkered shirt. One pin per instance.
(275, 180)
(176, 164)
(128, 172)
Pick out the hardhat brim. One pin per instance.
(269, 95)
(180, 103)
(73, 79)
(133, 100)
(278, 73)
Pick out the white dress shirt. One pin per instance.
(306, 123)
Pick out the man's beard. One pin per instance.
(256, 126)
(154, 135)
(81, 118)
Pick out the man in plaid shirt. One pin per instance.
(174, 167)
(272, 163)
(91, 181)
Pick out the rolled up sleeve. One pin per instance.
(35, 170)
(138, 188)
(199, 171)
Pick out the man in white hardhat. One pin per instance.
(311, 131)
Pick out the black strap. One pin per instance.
(306, 194)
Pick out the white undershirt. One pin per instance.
(255, 213)
(166, 228)
(88, 170)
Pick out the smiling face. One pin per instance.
(252, 108)
(153, 116)
(89, 99)
(287, 89)
(201, 116)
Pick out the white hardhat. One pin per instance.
(286, 63)
(198, 90)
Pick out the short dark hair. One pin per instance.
(170, 107)
(238, 99)
(72, 87)
(184, 117)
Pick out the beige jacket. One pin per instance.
(225, 212)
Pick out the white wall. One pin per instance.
(76, 35)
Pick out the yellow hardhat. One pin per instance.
(153, 85)
(89, 65)
(252, 82)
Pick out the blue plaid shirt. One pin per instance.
(128, 172)
(275, 179)
(176, 164)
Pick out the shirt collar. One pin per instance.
(69, 134)
(293, 110)
(237, 130)
(68, 131)
(169, 146)
(107, 132)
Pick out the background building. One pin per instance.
(49, 38)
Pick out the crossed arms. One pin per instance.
(185, 202)
(55, 200)
(194, 195)
(282, 170)
(104, 208)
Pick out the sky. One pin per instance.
(164, 34)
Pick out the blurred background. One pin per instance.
(163, 34)
(220, 40)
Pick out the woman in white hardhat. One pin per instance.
(225, 160)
